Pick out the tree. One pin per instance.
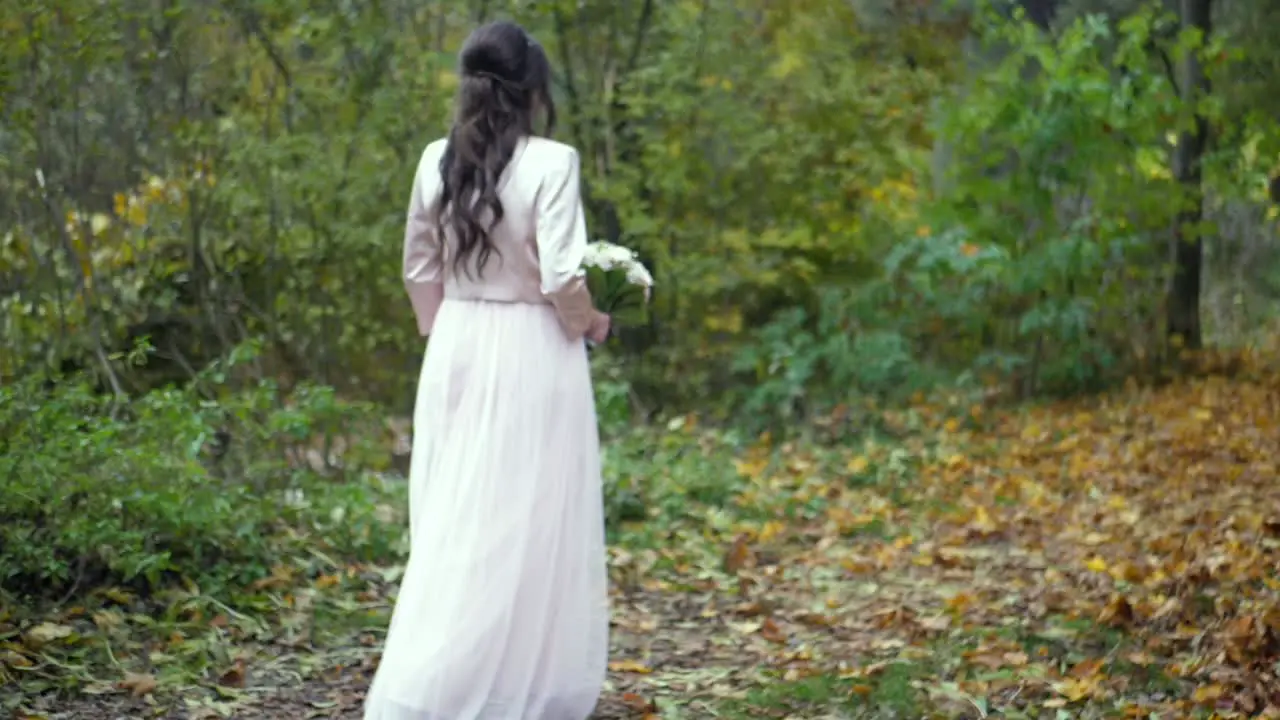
(1188, 251)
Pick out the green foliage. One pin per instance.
(1039, 264)
(797, 366)
(267, 201)
(655, 479)
(761, 176)
(1060, 206)
(846, 205)
(202, 483)
(842, 204)
(250, 182)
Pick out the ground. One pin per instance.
(1109, 557)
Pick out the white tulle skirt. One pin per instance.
(503, 608)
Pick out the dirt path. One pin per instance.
(686, 640)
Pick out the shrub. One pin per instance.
(203, 482)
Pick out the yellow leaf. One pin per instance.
(751, 469)
(14, 660)
(1096, 564)
(137, 214)
(729, 321)
(1096, 538)
(771, 530)
(788, 64)
(629, 666)
(1207, 693)
(156, 188)
(982, 521)
(858, 464)
(327, 581)
(1076, 689)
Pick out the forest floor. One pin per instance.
(1109, 557)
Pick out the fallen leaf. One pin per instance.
(138, 684)
(739, 556)
(234, 676)
(327, 581)
(1208, 693)
(771, 632)
(46, 633)
(638, 702)
(629, 666)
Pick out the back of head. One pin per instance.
(505, 79)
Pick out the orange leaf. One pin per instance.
(638, 702)
(739, 556)
(771, 632)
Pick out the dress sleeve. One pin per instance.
(423, 276)
(562, 243)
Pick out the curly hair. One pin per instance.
(505, 81)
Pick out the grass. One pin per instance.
(830, 696)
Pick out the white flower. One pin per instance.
(607, 256)
(638, 274)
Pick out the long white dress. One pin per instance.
(503, 610)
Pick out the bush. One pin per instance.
(1039, 264)
(203, 483)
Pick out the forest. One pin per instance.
(958, 395)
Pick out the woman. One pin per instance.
(503, 611)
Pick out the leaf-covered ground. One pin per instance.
(1111, 557)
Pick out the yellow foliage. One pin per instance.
(1153, 164)
(787, 64)
(729, 321)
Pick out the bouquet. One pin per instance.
(620, 284)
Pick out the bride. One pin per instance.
(503, 610)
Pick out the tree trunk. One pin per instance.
(1188, 251)
(1040, 12)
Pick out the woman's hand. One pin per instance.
(598, 330)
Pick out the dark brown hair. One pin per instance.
(505, 78)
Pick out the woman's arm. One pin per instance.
(562, 244)
(423, 276)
